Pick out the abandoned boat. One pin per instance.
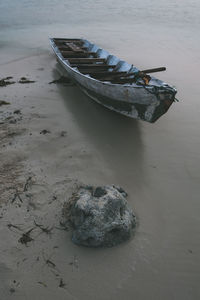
(112, 82)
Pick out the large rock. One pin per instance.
(99, 216)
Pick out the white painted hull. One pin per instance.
(133, 100)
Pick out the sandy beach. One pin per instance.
(43, 157)
(53, 138)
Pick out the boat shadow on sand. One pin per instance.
(117, 138)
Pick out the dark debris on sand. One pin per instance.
(2, 102)
(62, 80)
(61, 283)
(17, 111)
(25, 238)
(25, 80)
(45, 131)
(6, 81)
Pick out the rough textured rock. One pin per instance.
(99, 216)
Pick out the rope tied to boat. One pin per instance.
(158, 90)
(141, 75)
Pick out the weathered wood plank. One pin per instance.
(65, 48)
(116, 77)
(63, 43)
(77, 41)
(86, 60)
(74, 55)
(64, 39)
(98, 73)
(74, 47)
(107, 75)
(93, 66)
(93, 70)
(70, 54)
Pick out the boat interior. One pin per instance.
(95, 62)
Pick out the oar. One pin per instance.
(143, 72)
(154, 70)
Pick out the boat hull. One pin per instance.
(149, 112)
(141, 102)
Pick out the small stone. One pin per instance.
(17, 111)
(63, 133)
(25, 80)
(44, 131)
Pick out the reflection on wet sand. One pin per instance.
(117, 137)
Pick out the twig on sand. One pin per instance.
(49, 262)
(62, 80)
(42, 283)
(25, 238)
(61, 283)
(27, 184)
(9, 225)
(47, 230)
(16, 195)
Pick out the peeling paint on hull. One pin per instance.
(134, 100)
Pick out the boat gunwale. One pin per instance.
(130, 85)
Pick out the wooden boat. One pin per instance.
(112, 82)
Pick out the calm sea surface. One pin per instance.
(158, 164)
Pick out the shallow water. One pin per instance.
(158, 164)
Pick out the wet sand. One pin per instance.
(59, 139)
(52, 137)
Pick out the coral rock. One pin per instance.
(100, 217)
